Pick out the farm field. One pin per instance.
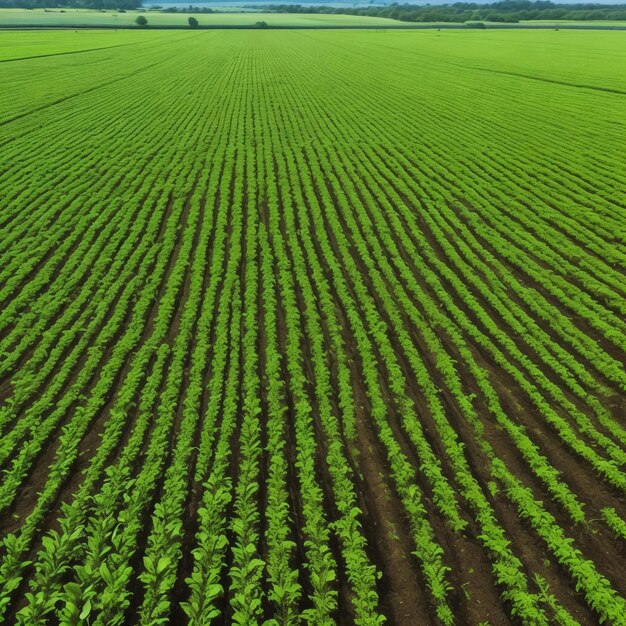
(86, 17)
(312, 327)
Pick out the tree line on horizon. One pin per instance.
(71, 4)
(508, 11)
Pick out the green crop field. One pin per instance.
(312, 327)
(86, 17)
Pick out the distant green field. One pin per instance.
(593, 58)
(578, 22)
(19, 44)
(85, 17)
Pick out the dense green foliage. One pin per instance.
(504, 11)
(81, 4)
(312, 328)
(190, 9)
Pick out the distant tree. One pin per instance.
(141, 20)
(261, 24)
(193, 22)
